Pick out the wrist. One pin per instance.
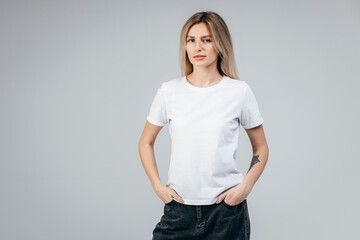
(247, 184)
(158, 186)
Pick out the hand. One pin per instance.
(235, 195)
(166, 194)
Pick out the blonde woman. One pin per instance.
(205, 195)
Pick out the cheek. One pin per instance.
(187, 48)
(211, 50)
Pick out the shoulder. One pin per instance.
(174, 82)
(171, 84)
(236, 84)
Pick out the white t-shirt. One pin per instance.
(204, 129)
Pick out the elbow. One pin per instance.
(143, 142)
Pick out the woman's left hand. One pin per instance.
(235, 195)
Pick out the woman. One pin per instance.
(205, 196)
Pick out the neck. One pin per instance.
(204, 77)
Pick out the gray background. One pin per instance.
(76, 82)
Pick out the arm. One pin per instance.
(240, 192)
(147, 155)
(260, 155)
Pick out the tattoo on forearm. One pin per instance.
(254, 160)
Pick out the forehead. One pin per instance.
(199, 30)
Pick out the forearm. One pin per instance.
(257, 165)
(148, 161)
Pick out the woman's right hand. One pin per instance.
(166, 194)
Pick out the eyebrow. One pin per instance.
(201, 37)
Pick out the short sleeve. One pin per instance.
(250, 116)
(157, 114)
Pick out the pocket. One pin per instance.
(230, 206)
(172, 200)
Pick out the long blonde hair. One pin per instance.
(221, 39)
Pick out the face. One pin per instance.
(199, 42)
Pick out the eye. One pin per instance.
(205, 40)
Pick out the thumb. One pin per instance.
(177, 197)
(220, 198)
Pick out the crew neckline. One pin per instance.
(203, 89)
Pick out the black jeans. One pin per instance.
(206, 222)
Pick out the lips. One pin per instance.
(199, 56)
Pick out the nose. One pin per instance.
(199, 45)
